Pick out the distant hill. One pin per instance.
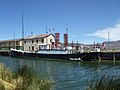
(113, 45)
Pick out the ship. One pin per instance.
(55, 54)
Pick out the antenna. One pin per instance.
(108, 40)
(46, 30)
(31, 33)
(53, 31)
(66, 30)
(108, 36)
(25, 33)
(49, 30)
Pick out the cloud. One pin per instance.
(114, 33)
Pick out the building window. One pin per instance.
(36, 41)
(4, 44)
(1, 44)
(36, 48)
(29, 47)
(25, 42)
(9, 43)
(17, 43)
(32, 48)
(32, 41)
(42, 40)
(51, 40)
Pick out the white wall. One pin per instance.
(28, 45)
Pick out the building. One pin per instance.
(34, 43)
(31, 43)
(8, 44)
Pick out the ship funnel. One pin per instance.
(65, 40)
(57, 39)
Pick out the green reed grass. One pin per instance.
(24, 79)
(105, 83)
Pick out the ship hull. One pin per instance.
(76, 56)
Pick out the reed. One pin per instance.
(23, 79)
(5, 73)
(105, 83)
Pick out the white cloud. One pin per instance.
(114, 33)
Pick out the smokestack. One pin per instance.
(57, 39)
(65, 40)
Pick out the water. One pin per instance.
(68, 75)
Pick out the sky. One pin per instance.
(87, 21)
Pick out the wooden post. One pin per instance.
(99, 58)
(114, 56)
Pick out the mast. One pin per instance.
(46, 33)
(66, 30)
(14, 42)
(22, 31)
(108, 40)
(22, 26)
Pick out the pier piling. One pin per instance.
(114, 56)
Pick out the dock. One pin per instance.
(103, 55)
(110, 55)
(5, 52)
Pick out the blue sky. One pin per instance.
(88, 21)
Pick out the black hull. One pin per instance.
(77, 57)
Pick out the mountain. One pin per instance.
(113, 45)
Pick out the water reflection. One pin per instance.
(68, 75)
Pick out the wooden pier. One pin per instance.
(5, 52)
(110, 55)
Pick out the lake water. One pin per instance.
(68, 75)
